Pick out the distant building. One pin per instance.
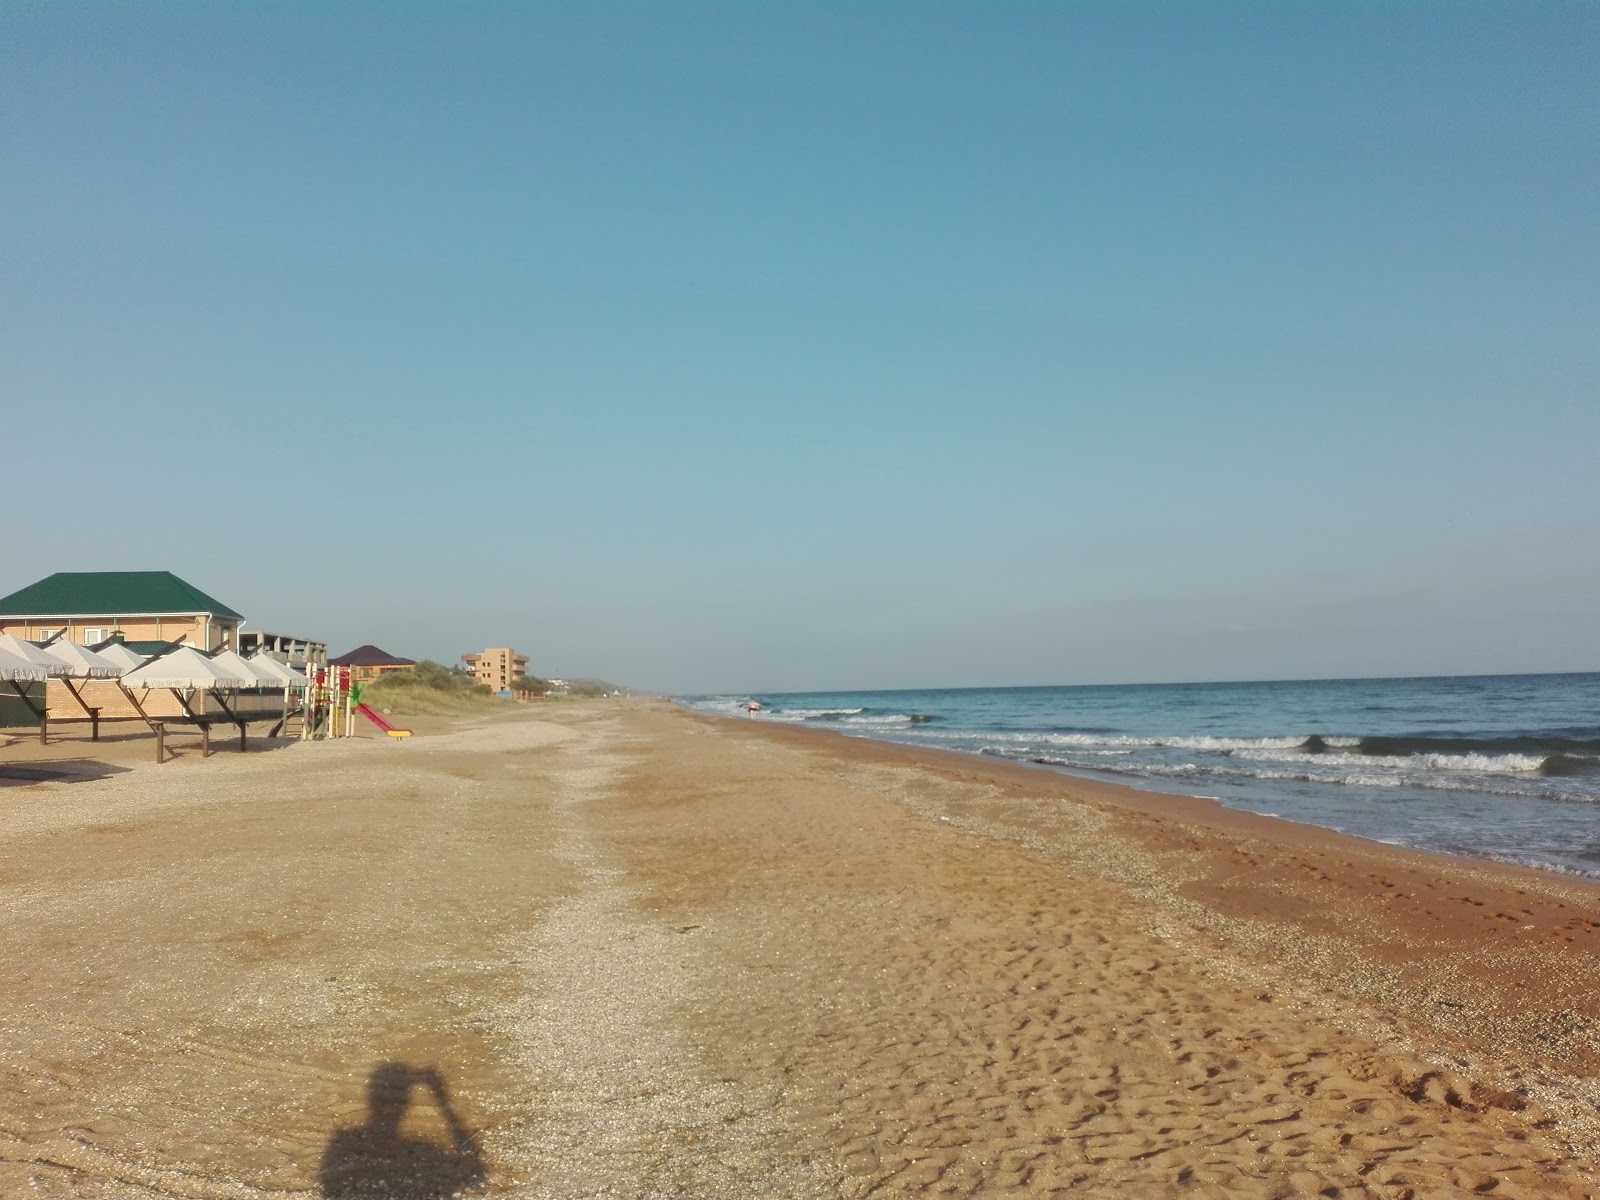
(89, 607)
(146, 610)
(298, 652)
(368, 662)
(496, 667)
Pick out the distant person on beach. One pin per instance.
(752, 707)
(376, 1161)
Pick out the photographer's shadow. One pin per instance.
(376, 1161)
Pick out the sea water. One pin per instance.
(1500, 767)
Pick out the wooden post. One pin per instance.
(161, 740)
(93, 713)
(137, 707)
(205, 739)
(232, 716)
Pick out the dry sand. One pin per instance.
(619, 949)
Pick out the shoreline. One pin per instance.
(1127, 795)
(1403, 907)
(671, 953)
(1498, 768)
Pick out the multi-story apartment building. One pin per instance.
(496, 667)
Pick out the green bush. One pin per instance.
(431, 675)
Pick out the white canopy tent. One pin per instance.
(118, 653)
(13, 645)
(18, 670)
(82, 665)
(82, 662)
(15, 668)
(182, 670)
(288, 675)
(186, 669)
(232, 660)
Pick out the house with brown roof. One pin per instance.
(368, 662)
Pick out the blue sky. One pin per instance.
(716, 346)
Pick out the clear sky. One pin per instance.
(765, 346)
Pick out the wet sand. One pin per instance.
(621, 949)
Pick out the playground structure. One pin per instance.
(329, 703)
(389, 729)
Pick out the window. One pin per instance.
(44, 635)
(93, 636)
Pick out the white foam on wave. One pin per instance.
(1522, 786)
(1321, 770)
(1223, 743)
(807, 714)
(1121, 742)
(1477, 764)
(1170, 770)
(1288, 776)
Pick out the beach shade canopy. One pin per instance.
(17, 648)
(83, 662)
(186, 668)
(15, 667)
(287, 675)
(232, 660)
(116, 652)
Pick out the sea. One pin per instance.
(1501, 767)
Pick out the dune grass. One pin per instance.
(428, 689)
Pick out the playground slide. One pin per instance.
(381, 723)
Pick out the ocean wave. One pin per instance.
(1506, 756)
(1121, 742)
(815, 714)
(1544, 745)
(888, 719)
(1480, 764)
(1511, 786)
(1322, 772)
(1571, 764)
(1173, 770)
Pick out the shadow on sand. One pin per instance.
(58, 770)
(376, 1161)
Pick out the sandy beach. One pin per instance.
(619, 949)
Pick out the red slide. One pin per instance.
(381, 723)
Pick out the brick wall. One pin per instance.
(157, 703)
(133, 629)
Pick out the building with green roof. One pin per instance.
(90, 607)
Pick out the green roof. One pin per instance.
(111, 594)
